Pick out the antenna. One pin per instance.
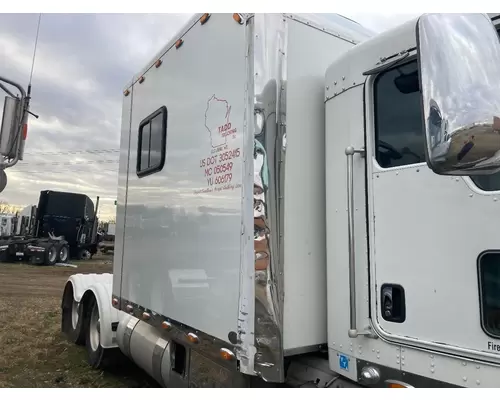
(34, 50)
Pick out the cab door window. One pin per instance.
(399, 132)
(399, 138)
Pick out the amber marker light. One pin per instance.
(237, 18)
(204, 18)
(191, 337)
(166, 325)
(226, 354)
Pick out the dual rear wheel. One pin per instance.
(81, 322)
(54, 253)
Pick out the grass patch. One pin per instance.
(34, 352)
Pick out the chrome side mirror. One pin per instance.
(10, 128)
(459, 64)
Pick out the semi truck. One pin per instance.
(62, 226)
(304, 203)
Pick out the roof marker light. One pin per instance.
(204, 18)
(237, 18)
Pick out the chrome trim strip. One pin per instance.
(245, 336)
(269, 63)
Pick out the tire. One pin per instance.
(63, 254)
(72, 322)
(84, 254)
(97, 356)
(51, 255)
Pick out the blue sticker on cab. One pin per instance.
(343, 362)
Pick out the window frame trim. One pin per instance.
(480, 291)
(156, 168)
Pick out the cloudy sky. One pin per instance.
(83, 62)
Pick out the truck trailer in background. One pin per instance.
(7, 224)
(302, 203)
(25, 225)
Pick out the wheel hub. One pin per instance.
(74, 314)
(52, 254)
(63, 254)
(95, 328)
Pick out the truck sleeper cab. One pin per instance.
(279, 224)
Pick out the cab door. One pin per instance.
(434, 240)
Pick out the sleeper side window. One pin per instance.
(489, 292)
(399, 133)
(152, 143)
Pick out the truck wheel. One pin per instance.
(50, 255)
(72, 323)
(63, 254)
(97, 356)
(84, 254)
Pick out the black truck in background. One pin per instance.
(65, 226)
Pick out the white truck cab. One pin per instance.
(301, 202)
(425, 244)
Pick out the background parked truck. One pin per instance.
(62, 226)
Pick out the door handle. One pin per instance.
(393, 303)
(387, 302)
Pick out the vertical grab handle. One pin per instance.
(353, 331)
